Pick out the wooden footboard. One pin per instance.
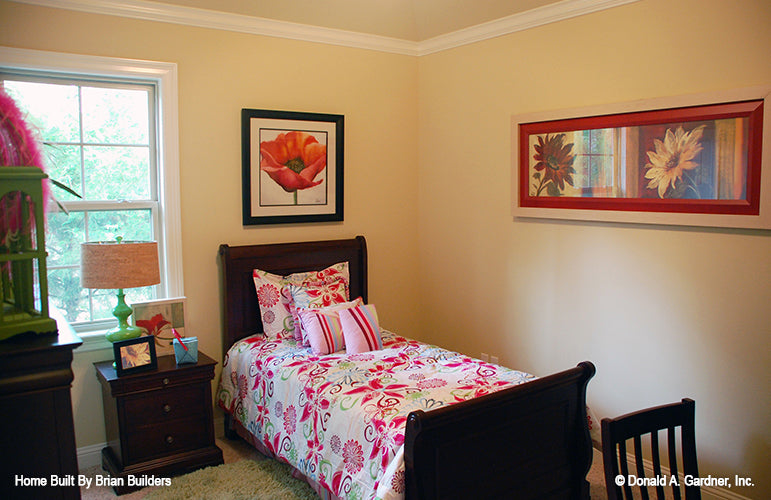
(530, 441)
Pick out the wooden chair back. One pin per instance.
(643, 428)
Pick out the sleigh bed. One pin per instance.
(511, 435)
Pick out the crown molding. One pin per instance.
(540, 16)
(203, 18)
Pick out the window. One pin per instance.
(595, 150)
(109, 132)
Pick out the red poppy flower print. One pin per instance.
(293, 160)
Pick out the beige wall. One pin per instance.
(219, 73)
(663, 312)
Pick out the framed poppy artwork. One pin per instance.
(134, 355)
(159, 319)
(292, 167)
(690, 161)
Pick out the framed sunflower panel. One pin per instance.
(292, 167)
(694, 160)
(134, 355)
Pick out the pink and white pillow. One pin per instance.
(361, 329)
(322, 328)
(277, 320)
(314, 296)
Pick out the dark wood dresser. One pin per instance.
(159, 422)
(37, 434)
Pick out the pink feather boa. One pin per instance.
(18, 147)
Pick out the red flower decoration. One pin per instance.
(555, 161)
(353, 456)
(293, 160)
(154, 324)
(267, 295)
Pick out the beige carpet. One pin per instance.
(268, 480)
(232, 451)
(241, 454)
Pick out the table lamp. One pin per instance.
(118, 265)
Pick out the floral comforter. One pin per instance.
(339, 419)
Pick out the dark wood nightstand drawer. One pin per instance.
(158, 421)
(155, 407)
(161, 379)
(165, 439)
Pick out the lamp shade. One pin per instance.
(118, 265)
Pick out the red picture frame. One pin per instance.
(699, 159)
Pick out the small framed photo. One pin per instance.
(134, 355)
(159, 319)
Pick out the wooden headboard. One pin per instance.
(241, 312)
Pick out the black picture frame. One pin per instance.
(135, 355)
(279, 189)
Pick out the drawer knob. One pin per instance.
(166, 381)
(169, 439)
(166, 408)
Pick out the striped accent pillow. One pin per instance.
(361, 330)
(314, 296)
(325, 333)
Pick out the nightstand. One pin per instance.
(158, 422)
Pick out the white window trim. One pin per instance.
(165, 76)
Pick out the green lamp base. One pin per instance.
(123, 331)
(117, 334)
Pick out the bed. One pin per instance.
(515, 437)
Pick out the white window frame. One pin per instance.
(164, 75)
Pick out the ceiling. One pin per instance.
(412, 20)
(409, 27)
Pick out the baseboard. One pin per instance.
(91, 456)
(219, 427)
(717, 493)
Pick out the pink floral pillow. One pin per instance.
(274, 300)
(361, 330)
(314, 295)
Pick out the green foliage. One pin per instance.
(109, 162)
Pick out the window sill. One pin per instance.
(93, 341)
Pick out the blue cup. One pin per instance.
(186, 356)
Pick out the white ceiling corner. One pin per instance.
(172, 12)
